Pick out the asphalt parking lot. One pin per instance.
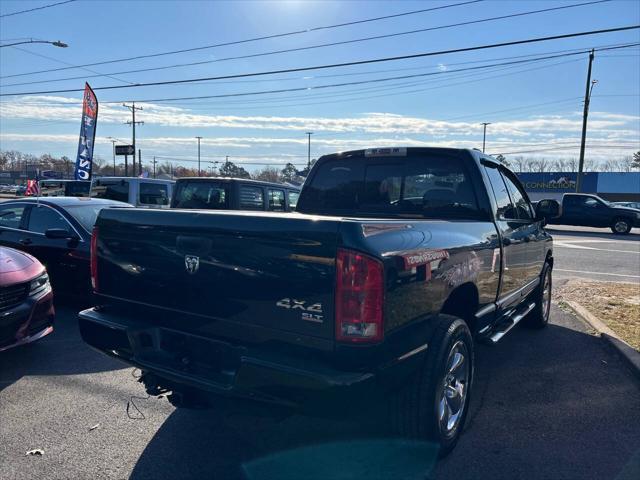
(596, 254)
(554, 404)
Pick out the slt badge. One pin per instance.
(309, 313)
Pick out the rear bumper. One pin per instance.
(179, 359)
(27, 322)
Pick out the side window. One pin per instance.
(293, 200)
(251, 198)
(518, 197)
(43, 218)
(113, 191)
(276, 200)
(506, 210)
(590, 202)
(154, 193)
(11, 216)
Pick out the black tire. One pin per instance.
(539, 316)
(621, 226)
(415, 408)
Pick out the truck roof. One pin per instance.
(134, 179)
(233, 180)
(407, 151)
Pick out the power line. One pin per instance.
(37, 8)
(360, 82)
(568, 148)
(311, 47)
(255, 39)
(344, 64)
(66, 63)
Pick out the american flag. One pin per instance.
(33, 188)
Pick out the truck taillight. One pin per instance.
(359, 298)
(94, 259)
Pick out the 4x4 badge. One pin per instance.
(191, 263)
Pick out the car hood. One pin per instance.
(16, 266)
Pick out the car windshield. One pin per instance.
(86, 215)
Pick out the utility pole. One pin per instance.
(154, 167)
(113, 150)
(484, 134)
(309, 151)
(199, 138)
(585, 114)
(133, 123)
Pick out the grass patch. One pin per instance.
(616, 304)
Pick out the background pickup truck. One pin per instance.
(592, 211)
(221, 193)
(369, 296)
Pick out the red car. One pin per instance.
(26, 299)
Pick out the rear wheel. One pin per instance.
(621, 226)
(434, 405)
(539, 316)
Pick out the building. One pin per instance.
(612, 186)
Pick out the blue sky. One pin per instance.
(532, 107)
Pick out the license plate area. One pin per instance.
(196, 356)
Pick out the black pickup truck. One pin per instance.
(592, 211)
(370, 295)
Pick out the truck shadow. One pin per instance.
(540, 398)
(62, 352)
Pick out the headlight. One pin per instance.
(40, 284)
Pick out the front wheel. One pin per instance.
(434, 405)
(539, 316)
(621, 226)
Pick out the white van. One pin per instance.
(139, 192)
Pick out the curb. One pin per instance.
(626, 351)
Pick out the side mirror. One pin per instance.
(547, 209)
(60, 233)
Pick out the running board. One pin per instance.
(495, 337)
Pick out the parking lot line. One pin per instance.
(582, 247)
(595, 273)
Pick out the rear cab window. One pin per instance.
(153, 193)
(422, 186)
(111, 190)
(276, 200)
(293, 199)
(201, 194)
(251, 198)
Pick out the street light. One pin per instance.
(309, 151)
(199, 138)
(113, 144)
(57, 43)
(484, 133)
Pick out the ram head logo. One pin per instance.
(191, 263)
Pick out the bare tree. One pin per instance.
(519, 162)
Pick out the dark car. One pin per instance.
(26, 299)
(635, 205)
(221, 193)
(367, 297)
(55, 230)
(64, 188)
(588, 210)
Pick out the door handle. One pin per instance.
(26, 241)
(506, 241)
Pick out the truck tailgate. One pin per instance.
(275, 270)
